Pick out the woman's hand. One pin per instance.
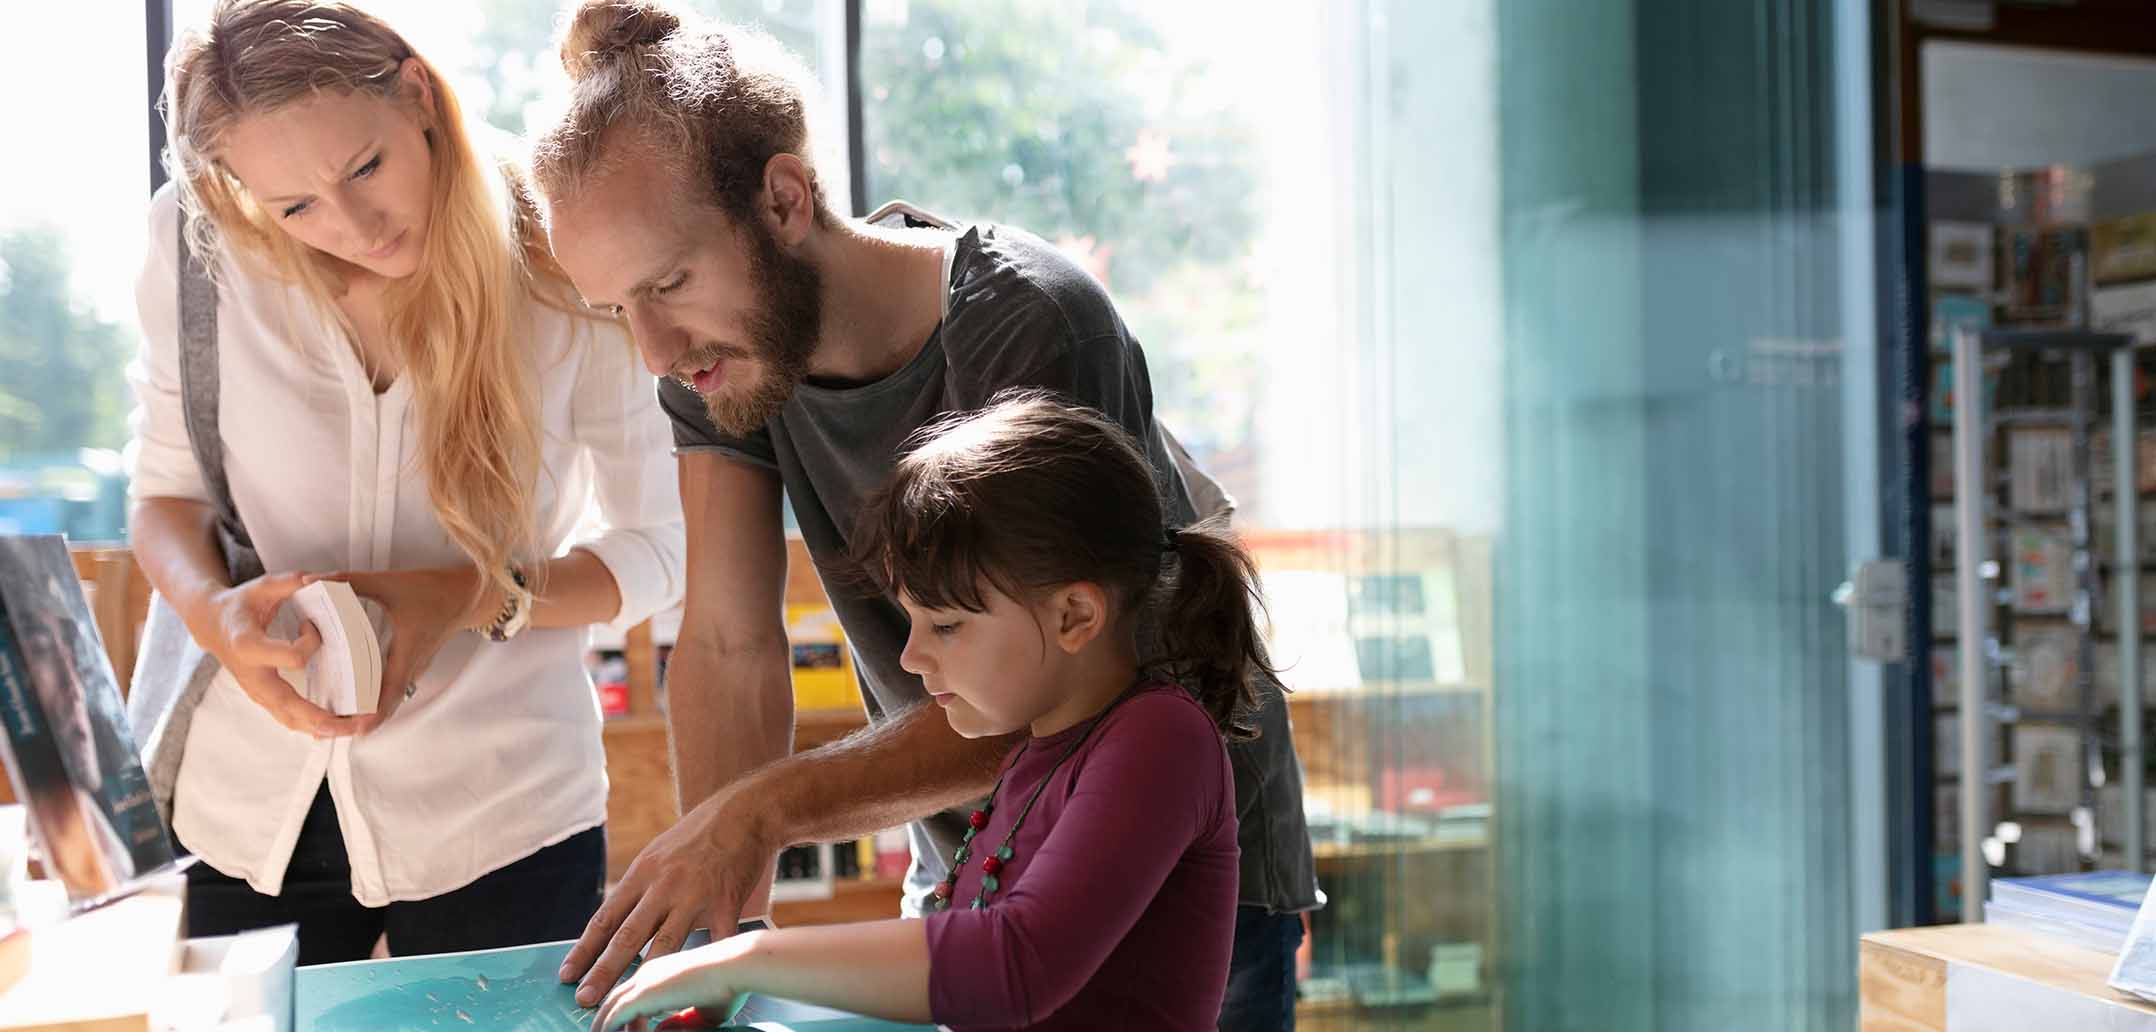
(424, 607)
(665, 986)
(239, 638)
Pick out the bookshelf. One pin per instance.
(2035, 279)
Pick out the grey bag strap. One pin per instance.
(172, 672)
(198, 395)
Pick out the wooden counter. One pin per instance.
(1985, 978)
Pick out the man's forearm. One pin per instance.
(906, 768)
(728, 713)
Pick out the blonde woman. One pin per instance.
(411, 401)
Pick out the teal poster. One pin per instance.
(510, 990)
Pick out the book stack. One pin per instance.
(2093, 909)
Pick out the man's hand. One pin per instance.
(697, 873)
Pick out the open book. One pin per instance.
(65, 737)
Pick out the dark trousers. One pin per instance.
(545, 897)
(1261, 972)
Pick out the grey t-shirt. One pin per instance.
(1018, 314)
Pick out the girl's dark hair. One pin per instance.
(1031, 493)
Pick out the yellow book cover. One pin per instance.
(822, 665)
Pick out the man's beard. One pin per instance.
(782, 334)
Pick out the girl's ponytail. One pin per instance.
(1208, 624)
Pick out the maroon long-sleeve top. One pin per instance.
(1117, 907)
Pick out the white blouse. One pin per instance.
(498, 755)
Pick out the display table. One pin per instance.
(512, 990)
(1985, 978)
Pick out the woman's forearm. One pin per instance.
(572, 591)
(174, 540)
(575, 590)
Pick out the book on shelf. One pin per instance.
(2040, 575)
(2047, 849)
(1946, 884)
(2044, 671)
(2129, 309)
(1945, 607)
(2047, 769)
(66, 742)
(1946, 815)
(2111, 815)
(2104, 679)
(2123, 249)
(822, 666)
(2041, 272)
(2107, 607)
(1945, 536)
(2040, 469)
(1406, 626)
(1945, 667)
(1946, 743)
(2100, 474)
(1951, 312)
(1960, 255)
(1942, 466)
(2104, 533)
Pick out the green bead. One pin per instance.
(968, 836)
(988, 883)
(978, 904)
(1004, 854)
(958, 859)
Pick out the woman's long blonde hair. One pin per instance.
(460, 323)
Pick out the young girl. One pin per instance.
(411, 401)
(1098, 887)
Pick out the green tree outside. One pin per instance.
(60, 383)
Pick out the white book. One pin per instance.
(345, 675)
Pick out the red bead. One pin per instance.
(943, 890)
(992, 865)
(685, 1020)
(979, 819)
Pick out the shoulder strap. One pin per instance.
(198, 395)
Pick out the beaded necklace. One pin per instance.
(992, 865)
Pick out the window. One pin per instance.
(71, 238)
(1179, 152)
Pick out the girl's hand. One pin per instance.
(663, 987)
(424, 607)
(239, 637)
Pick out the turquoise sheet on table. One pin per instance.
(512, 990)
